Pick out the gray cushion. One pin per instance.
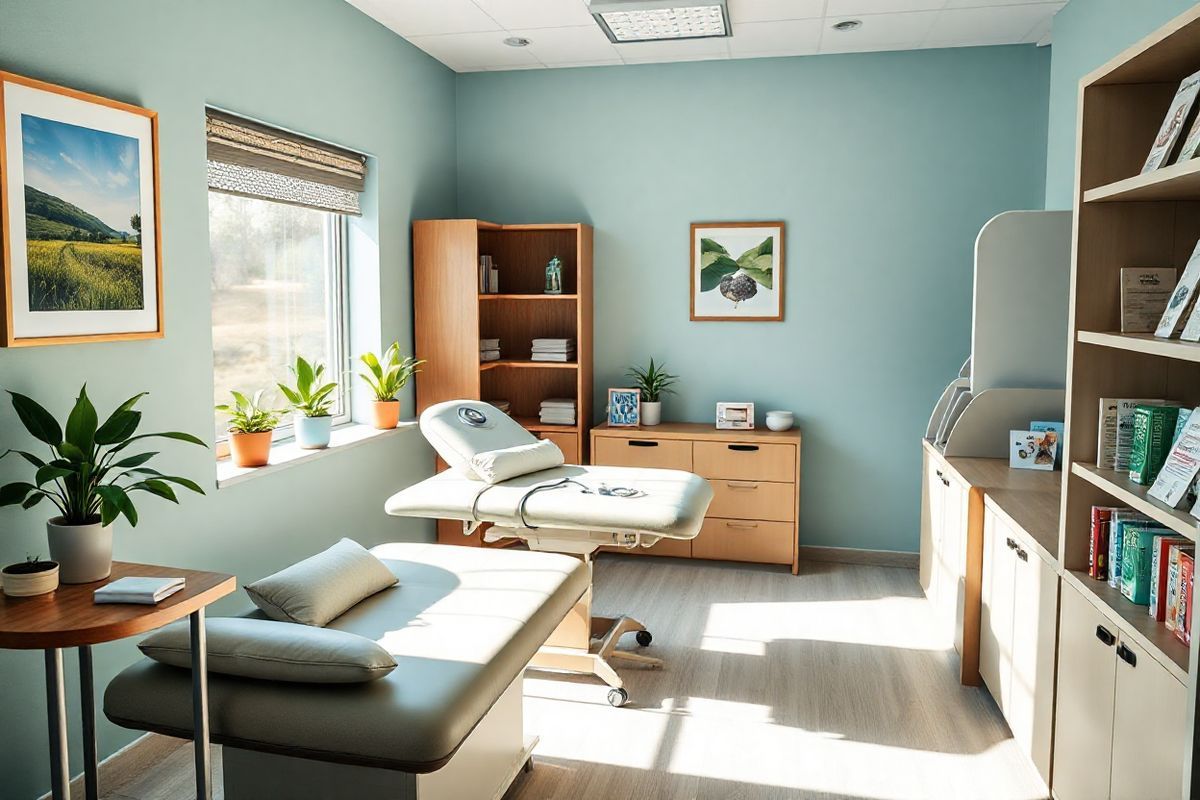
(319, 589)
(462, 625)
(276, 651)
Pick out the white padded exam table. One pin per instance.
(565, 509)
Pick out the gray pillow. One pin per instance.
(276, 651)
(320, 589)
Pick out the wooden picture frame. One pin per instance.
(742, 284)
(93, 276)
(624, 408)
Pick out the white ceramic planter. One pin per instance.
(28, 584)
(83, 552)
(780, 420)
(312, 433)
(651, 413)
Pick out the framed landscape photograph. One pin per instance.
(737, 271)
(82, 257)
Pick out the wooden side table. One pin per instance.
(68, 617)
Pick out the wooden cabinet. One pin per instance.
(755, 477)
(1120, 716)
(1018, 625)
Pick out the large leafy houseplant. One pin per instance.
(312, 401)
(386, 377)
(89, 477)
(251, 425)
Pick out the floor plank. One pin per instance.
(831, 684)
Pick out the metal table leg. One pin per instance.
(87, 699)
(56, 709)
(200, 705)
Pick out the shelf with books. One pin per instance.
(1175, 182)
(1146, 343)
(1133, 620)
(525, 363)
(1117, 484)
(535, 425)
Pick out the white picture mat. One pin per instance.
(767, 302)
(18, 100)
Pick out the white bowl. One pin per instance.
(780, 420)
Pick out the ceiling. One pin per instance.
(468, 35)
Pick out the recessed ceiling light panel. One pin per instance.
(848, 25)
(625, 21)
(517, 41)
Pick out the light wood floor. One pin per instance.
(832, 684)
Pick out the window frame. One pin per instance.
(337, 282)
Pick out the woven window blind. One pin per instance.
(255, 160)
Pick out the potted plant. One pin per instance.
(29, 577)
(311, 401)
(386, 379)
(89, 479)
(250, 429)
(653, 382)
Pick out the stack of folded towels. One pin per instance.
(558, 411)
(553, 349)
(489, 349)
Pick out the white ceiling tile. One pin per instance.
(432, 17)
(978, 3)
(514, 69)
(514, 14)
(794, 37)
(458, 50)
(850, 8)
(680, 50)
(569, 45)
(571, 64)
(990, 25)
(767, 10)
(880, 32)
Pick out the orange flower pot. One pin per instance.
(250, 449)
(387, 414)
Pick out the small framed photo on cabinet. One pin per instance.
(624, 408)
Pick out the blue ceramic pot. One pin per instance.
(312, 433)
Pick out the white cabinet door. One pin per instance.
(952, 555)
(932, 492)
(1030, 702)
(996, 612)
(1083, 720)
(1148, 728)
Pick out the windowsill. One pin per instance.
(288, 454)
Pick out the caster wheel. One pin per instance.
(644, 638)
(617, 697)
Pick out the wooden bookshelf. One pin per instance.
(1124, 219)
(451, 316)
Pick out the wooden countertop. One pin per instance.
(697, 430)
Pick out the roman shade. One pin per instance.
(251, 159)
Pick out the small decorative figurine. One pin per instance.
(554, 276)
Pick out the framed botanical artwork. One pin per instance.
(624, 408)
(737, 271)
(79, 212)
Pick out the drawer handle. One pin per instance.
(744, 448)
(1021, 554)
(945, 482)
(641, 443)
(741, 484)
(744, 525)
(1126, 655)
(1105, 635)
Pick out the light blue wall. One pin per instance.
(884, 167)
(317, 66)
(1087, 33)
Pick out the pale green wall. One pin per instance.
(884, 167)
(318, 66)
(1087, 33)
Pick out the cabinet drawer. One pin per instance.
(567, 442)
(745, 540)
(753, 500)
(746, 461)
(653, 453)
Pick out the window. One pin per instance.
(278, 291)
(277, 210)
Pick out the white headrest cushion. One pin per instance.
(461, 429)
(495, 466)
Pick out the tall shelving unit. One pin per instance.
(451, 316)
(1123, 219)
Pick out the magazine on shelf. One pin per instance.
(1115, 435)
(1181, 465)
(1177, 117)
(1145, 292)
(1181, 301)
